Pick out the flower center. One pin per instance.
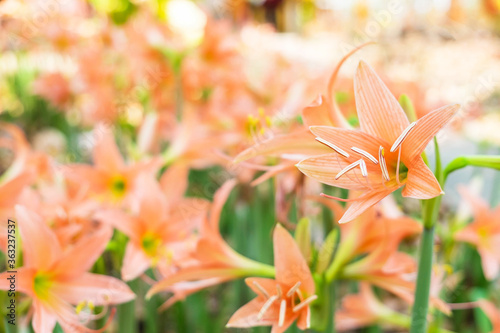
(41, 285)
(150, 244)
(256, 126)
(293, 298)
(483, 232)
(118, 186)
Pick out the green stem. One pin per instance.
(422, 291)
(255, 268)
(396, 319)
(323, 309)
(151, 315)
(485, 161)
(127, 321)
(342, 257)
(331, 310)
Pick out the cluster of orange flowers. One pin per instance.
(193, 107)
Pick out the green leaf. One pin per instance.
(303, 238)
(439, 168)
(326, 251)
(407, 106)
(482, 322)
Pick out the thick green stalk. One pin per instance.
(323, 309)
(127, 320)
(331, 321)
(485, 161)
(422, 291)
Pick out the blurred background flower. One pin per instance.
(178, 124)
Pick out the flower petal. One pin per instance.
(247, 315)
(318, 113)
(119, 220)
(185, 218)
(183, 289)
(273, 171)
(99, 289)
(490, 263)
(468, 235)
(480, 207)
(195, 274)
(269, 285)
(40, 245)
(24, 280)
(291, 267)
(220, 199)
(346, 139)
(324, 168)
(151, 200)
(425, 129)
(174, 182)
(289, 319)
(44, 320)
(106, 154)
(10, 190)
(364, 202)
(80, 257)
(297, 143)
(135, 262)
(379, 112)
(421, 182)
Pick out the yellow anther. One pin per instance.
(80, 307)
(268, 121)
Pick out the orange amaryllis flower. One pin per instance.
(57, 278)
(384, 155)
(483, 233)
(211, 262)
(110, 179)
(364, 309)
(69, 217)
(284, 300)
(54, 87)
(492, 312)
(383, 266)
(161, 226)
(19, 175)
(368, 251)
(375, 235)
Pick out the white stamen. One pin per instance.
(282, 313)
(397, 166)
(266, 306)
(403, 136)
(261, 289)
(293, 289)
(298, 294)
(347, 168)
(364, 171)
(334, 147)
(365, 154)
(304, 303)
(308, 318)
(383, 164)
